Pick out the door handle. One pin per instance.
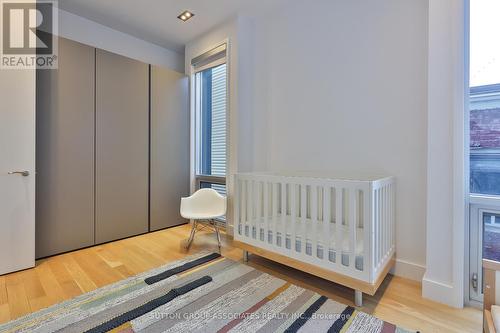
(474, 281)
(22, 173)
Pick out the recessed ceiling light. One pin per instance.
(185, 15)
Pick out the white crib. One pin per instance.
(342, 230)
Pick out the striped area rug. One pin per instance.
(201, 293)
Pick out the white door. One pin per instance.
(17, 170)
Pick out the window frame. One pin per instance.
(477, 211)
(476, 204)
(196, 177)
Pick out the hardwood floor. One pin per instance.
(65, 276)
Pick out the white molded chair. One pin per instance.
(204, 206)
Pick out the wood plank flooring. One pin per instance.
(65, 276)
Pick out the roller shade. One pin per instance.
(218, 149)
(212, 58)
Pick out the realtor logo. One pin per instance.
(29, 30)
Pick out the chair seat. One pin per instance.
(200, 216)
(204, 204)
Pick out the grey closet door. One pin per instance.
(169, 147)
(122, 146)
(65, 152)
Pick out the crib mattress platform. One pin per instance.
(256, 231)
(326, 274)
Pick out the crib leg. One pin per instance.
(245, 256)
(358, 298)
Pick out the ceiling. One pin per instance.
(156, 20)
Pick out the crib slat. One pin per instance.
(378, 230)
(265, 224)
(251, 202)
(379, 227)
(283, 225)
(293, 216)
(367, 229)
(389, 212)
(237, 198)
(339, 206)
(393, 214)
(258, 202)
(314, 219)
(386, 219)
(275, 213)
(381, 234)
(382, 223)
(352, 227)
(260, 208)
(377, 222)
(373, 224)
(244, 205)
(326, 221)
(388, 216)
(303, 217)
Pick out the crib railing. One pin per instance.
(383, 222)
(346, 226)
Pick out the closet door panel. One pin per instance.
(65, 152)
(122, 146)
(169, 146)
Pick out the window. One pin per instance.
(210, 100)
(491, 236)
(484, 107)
(211, 88)
(484, 98)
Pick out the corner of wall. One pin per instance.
(408, 270)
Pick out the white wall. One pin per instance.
(94, 34)
(345, 88)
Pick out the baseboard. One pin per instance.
(440, 292)
(408, 270)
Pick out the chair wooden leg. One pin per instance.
(191, 235)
